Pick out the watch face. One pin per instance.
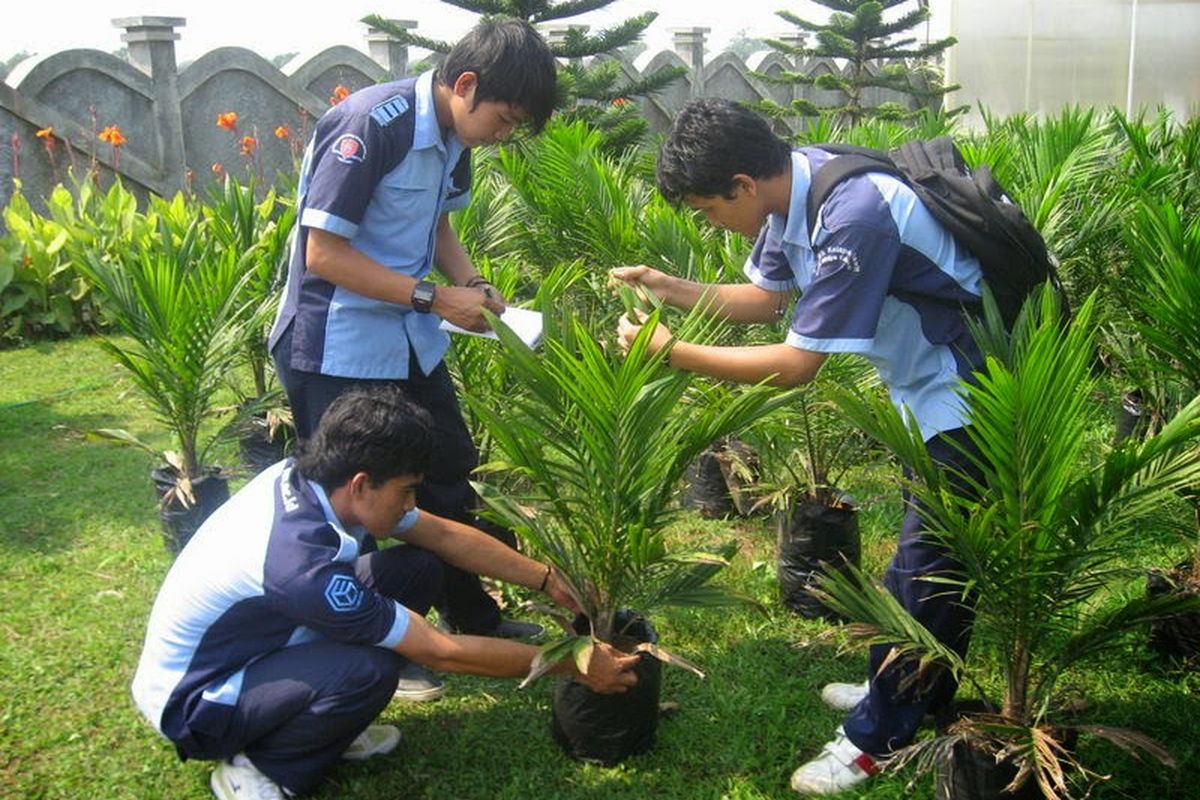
(422, 297)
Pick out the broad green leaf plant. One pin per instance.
(599, 442)
(1041, 549)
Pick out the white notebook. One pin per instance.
(524, 322)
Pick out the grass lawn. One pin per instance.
(81, 558)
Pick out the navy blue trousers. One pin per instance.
(888, 717)
(446, 490)
(300, 707)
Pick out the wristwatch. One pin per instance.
(422, 296)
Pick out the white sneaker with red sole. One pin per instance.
(839, 767)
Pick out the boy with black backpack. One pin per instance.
(878, 275)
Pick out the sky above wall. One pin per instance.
(274, 28)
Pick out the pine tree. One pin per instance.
(877, 55)
(594, 92)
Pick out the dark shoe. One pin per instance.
(516, 629)
(418, 684)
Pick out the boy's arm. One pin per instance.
(783, 364)
(473, 550)
(735, 302)
(333, 258)
(609, 670)
(451, 258)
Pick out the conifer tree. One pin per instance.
(595, 91)
(857, 33)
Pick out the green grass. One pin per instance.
(81, 557)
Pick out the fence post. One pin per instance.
(799, 61)
(689, 44)
(151, 43)
(388, 51)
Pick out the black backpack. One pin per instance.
(972, 206)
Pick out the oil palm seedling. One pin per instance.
(599, 442)
(1039, 548)
(1164, 277)
(178, 307)
(259, 232)
(805, 449)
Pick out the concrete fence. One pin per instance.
(168, 113)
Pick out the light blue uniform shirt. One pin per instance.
(879, 277)
(379, 173)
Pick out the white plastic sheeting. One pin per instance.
(1040, 55)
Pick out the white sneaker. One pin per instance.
(840, 766)
(844, 696)
(243, 782)
(376, 740)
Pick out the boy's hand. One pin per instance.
(464, 306)
(628, 329)
(609, 671)
(651, 279)
(556, 589)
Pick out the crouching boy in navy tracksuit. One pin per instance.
(275, 640)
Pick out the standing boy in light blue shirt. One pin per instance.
(877, 276)
(379, 178)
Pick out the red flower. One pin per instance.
(248, 145)
(621, 101)
(218, 168)
(282, 132)
(340, 93)
(47, 136)
(112, 134)
(228, 120)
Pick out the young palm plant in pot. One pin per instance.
(1165, 296)
(177, 304)
(805, 449)
(600, 442)
(260, 232)
(1041, 552)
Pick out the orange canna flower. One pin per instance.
(228, 120)
(282, 132)
(112, 134)
(46, 133)
(620, 101)
(248, 145)
(340, 93)
(218, 167)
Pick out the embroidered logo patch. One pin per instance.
(389, 110)
(343, 593)
(286, 494)
(349, 149)
(832, 259)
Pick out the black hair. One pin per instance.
(374, 429)
(512, 63)
(710, 141)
